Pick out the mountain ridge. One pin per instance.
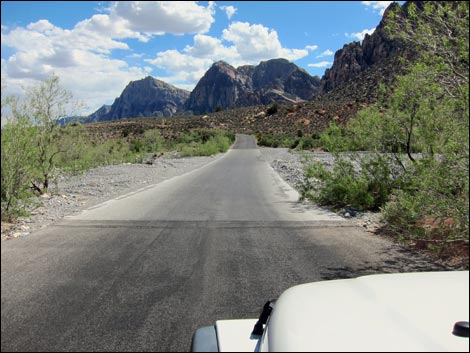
(222, 86)
(271, 81)
(357, 71)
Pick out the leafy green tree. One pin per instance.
(438, 33)
(431, 103)
(45, 103)
(17, 156)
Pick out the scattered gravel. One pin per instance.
(290, 166)
(73, 193)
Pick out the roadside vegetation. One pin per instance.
(299, 142)
(417, 135)
(35, 149)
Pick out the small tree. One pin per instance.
(44, 105)
(17, 158)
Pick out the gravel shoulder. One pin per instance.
(72, 194)
(290, 166)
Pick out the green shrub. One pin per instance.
(205, 143)
(270, 140)
(435, 189)
(366, 189)
(305, 143)
(335, 139)
(136, 146)
(153, 141)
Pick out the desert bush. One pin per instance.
(335, 139)
(305, 143)
(205, 143)
(153, 140)
(270, 140)
(365, 188)
(434, 188)
(74, 141)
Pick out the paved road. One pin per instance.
(143, 271)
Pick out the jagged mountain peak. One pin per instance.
(141, 98)
(275, 80)
(223, 68)
(359, 67)
(150, 81)
(222, 63)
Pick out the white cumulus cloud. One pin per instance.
(78, 56)
(157, 17)
(257, 42)
(327, 52)
(229, 11)
(241, 44)
(360, 35)
(320, 64)
(102, 25)
(82, 56)
(311, 47)
(142, 19)
(184, 68)
(377, 6)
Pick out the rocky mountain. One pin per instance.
(357, 71)
(100, 113)
(143, 98)
(276, 80)
(359, 68)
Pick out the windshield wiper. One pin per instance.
(263, 318)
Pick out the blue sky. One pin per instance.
(96, 48)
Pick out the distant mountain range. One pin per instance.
(357, 70)
(276, 80)
(222, 87)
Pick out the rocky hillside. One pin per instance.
(143, 98)
(276, 80)
(359, 68)
(306, 118)
(102, 112)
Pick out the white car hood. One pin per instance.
(235, 336)
(393, 312)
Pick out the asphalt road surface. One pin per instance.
(143, 271)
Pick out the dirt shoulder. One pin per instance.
(72, 194)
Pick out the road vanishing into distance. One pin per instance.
(141, 272)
